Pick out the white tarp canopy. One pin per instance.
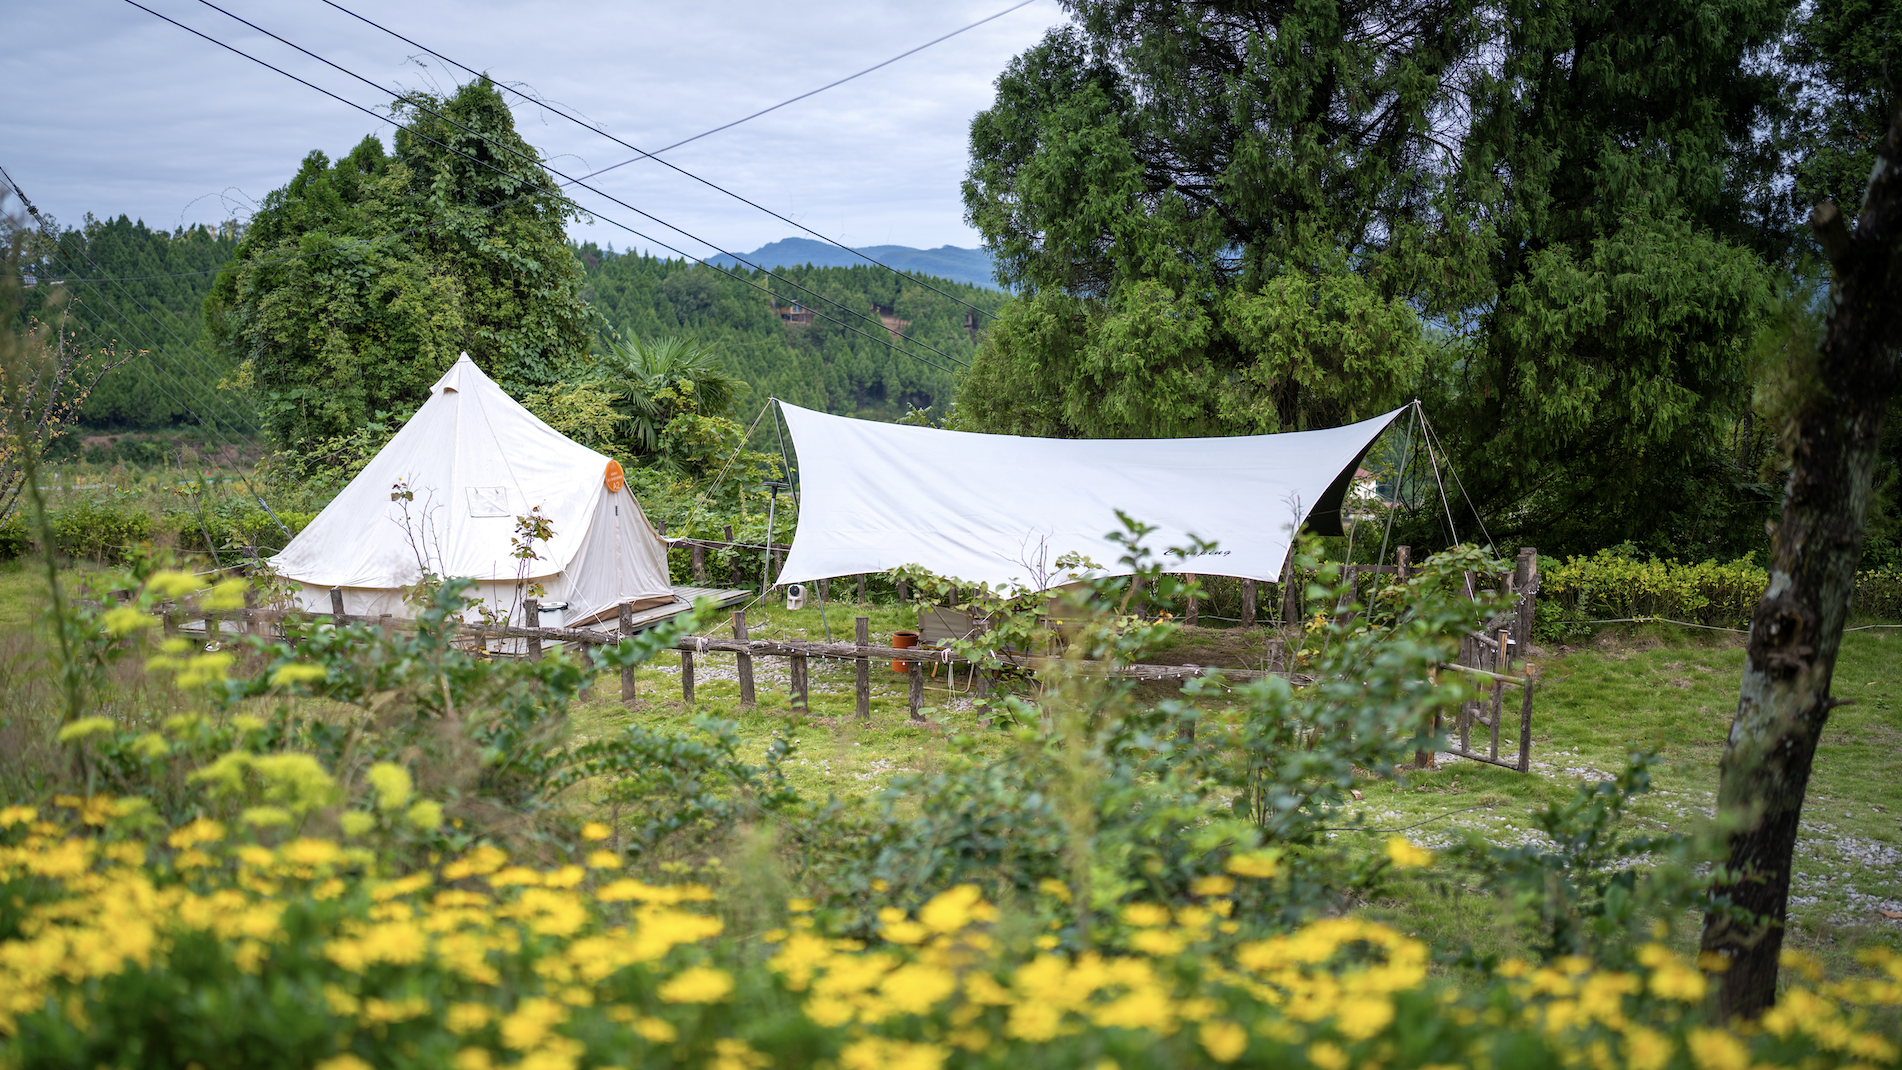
(474, 460)
(1000, 509)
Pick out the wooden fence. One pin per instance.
(1488, 655)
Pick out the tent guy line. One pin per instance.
(655, 155)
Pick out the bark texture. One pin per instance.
(1798, 626)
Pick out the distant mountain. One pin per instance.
(971, 266)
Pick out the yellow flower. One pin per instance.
(86, 726)
(1715, 1049)
(916, 988)
(474, 1059)
(124, 620)
(469, 1017)
(595, 830)
(732, 1054)
(531, 1023)
(1674, 980)
(425, 814)
(1145, 915)
(604, 860)
(1406, 856)
(16, 815)
(356, 822)
(878, 1053)
(1213, 884)
(1361, 1017)
(291, 673)
(698, 984)
(800, 906)
(1327, 1056)
(228, 594)
(1224, 1041)
(1056, 889)
(1646, 1049)
(393, 785)
(949, 911)
(656, 1031)
(1158, 942)
(346, 1061)
(171, 583)
(1260, 864)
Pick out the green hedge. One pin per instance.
(1610, 585)
(111, 531)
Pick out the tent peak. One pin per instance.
(451, 381)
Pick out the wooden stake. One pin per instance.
(917, 689)
(1525, 581)
(747, 698)
(336, 603)
(686, 677)
(861, 600)
(532, 618)
(699, 556)
(630, 688)
(1189, 614)
(1248, 603)
(1525, 727)
(864, 665)
(799, 697)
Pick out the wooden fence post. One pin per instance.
(1248, 603)
(799, 702)
(336, 604)
(904, 592)
(699, 556)
(864, 666)
(1525, 579)
(630, 688)
(686, 677)
(1189, 614)
(917, 689)
(532, 618)
(747, 698)
(861, 600)
(825, 588)
(1525, 726)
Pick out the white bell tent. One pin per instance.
(472, 460)
(1001, 509)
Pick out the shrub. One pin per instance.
(1614, 585)
(104, 530)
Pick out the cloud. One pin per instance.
(113, 110)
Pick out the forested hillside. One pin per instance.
(154, 304)
(851, 363)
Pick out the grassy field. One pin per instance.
(1628, 689)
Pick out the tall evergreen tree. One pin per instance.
(358, 283)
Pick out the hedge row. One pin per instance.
(111, 531)
(1578, 592)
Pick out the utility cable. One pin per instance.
(655, 155)
(530, 160)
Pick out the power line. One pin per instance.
(484, 163)
(655, 155)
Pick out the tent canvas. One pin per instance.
(473, 460)
(1001, 509)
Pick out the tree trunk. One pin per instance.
(1832, 437)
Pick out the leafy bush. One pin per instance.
(124, 942)
(101, 529)
(1615, 585)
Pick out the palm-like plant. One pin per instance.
(657, 379)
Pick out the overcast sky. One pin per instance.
(111, 110)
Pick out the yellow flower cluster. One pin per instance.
(501, 965)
